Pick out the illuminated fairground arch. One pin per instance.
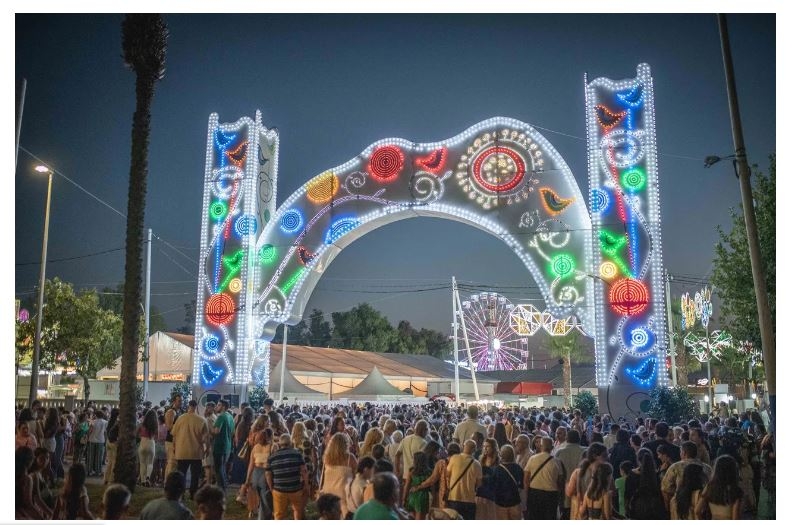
(259, 265)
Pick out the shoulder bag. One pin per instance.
(539, 470)
(470, 464)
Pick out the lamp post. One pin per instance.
(34, 367)
(743, 173)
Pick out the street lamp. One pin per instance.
(34, 367)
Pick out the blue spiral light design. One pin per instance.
(292, 221)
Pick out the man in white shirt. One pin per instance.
(405, 455)
(610, 440)
(544, 481)
(469, 426)
(464, 476)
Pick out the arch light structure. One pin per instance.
(259, 265)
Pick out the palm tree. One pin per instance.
(144, 45)
(568, 350)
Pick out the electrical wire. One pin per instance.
(77, 257)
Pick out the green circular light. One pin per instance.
(267, 254)
(218, 210)
(634, 179)
(562, 265)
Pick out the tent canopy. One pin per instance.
(374, 386)
(293, 388)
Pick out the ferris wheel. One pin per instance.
(494, 345)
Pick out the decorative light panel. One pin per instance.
(626, 240)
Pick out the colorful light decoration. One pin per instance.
(323, 188)
(495, 164)
(526, 320)
(235, 285)
(339, 228)
(495, 346)
(386, 163)
(628, 297)
(608, 270)
(708, 347)
(292, 221)
(210, 375)
(644, 374)
(552, 202)
(23, 315)
(746, 349)
(220, 309)
(633, 179)
(218, 210)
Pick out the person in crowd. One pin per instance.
(381, 466)
(661, 435)
(464, 474)
(683, 505)
(158, 471)
(418, 499)
(362, 478)
(210, 503)
(73, 501)
(501, 435)
(544, 482)
(610, 439)
(222, 439)
(395, 442)
(170, 418)
(622, 451)
(766, 505)
(466, 428)
(147, 433)
(508, 480)
(578, 482)
(337, 426)
(673, 478)
(597, 500)
(406, 452)
(41, 476)
(255, 477)
(384, 505)
(80, 436)
(619, 484)
(25, 507)
(96, 444)
(373, 437)
(240, 433)
(24, 438)
(286, 475)
(111, 437)
(570, 455)
(116, 502)
(438, 481)
(329, 507)
(49, 429)
(485, 493)
(697, 436)
(643, 496)
(722, 497)
(207, 461)
(339, 465)
(522, 450)
(190, 439)
(170, 506)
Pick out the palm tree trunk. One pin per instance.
(125, 470)
(567, 381)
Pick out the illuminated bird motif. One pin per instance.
(553, 202)
(305, 256)
(645, 372)
(632, 98)
(434, 162)
(607, 119)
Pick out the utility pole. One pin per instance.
(467, 345)
(455, 342)
(34, 366)
(672, 349)
(763, 310)
(20, 106)
(146, 313)
(284, 364)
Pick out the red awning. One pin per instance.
(524, 388)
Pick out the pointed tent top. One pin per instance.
(292, 385)
(373, 385)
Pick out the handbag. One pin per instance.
(243, 453)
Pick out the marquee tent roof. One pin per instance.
(292, 385)
(374, 385)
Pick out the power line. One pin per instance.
(72, 258)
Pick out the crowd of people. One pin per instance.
(379, 461)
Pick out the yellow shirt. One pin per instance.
(547, 478)
(190, 434)
(464, 490)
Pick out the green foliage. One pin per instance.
(76, 331)
(569, 349)
(686, 363)
(184, 389)
(672, 404)
(732, 268)
(320, 331)
(363, 328)
(139, 394)
(189, 321)
(113, 299)
(257, 396)
(586, 403)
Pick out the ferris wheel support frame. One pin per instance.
(466, 340)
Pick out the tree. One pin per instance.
(672, 404)
(568, 349)
(732, 267)
(320, 330)
(190, 318)
(297, 334)
(585, 402)
(113, 299)
(144, 49)
(76, 333)
(257, 397)
(362, 328)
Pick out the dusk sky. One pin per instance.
(332, 85)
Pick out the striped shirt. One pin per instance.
(285, 466)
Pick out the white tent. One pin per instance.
(293, 388)
(374, 387)
(170, 358)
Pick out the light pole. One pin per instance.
(34, 367)
(743, 173)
